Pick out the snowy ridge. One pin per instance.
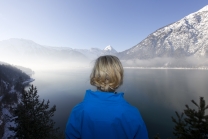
(205, 8)
(184, 38)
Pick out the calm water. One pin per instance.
(156, 93)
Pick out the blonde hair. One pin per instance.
(107, 73)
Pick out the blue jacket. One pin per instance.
(104, 115)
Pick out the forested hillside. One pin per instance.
(11, 83)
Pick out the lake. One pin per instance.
(157, 93)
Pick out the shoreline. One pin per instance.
(153, 68)
(28, 81)
(177, 68)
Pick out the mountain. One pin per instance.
(182, 39)
(30, 54)
(93, 53)
(109, 50)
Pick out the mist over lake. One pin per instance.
(157, 93)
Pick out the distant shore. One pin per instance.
(180, 68)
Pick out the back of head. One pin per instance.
(107, 73)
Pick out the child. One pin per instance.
(105, 114)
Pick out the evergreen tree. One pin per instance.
(195, 123)
(33, 118)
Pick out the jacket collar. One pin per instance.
(103, 96)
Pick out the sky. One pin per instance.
(85, 24)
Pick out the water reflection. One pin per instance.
(156, 93)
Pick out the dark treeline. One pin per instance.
(32, 117)
(11, 74)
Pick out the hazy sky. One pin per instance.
(90, 23)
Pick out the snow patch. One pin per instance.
(5, 111)
(12, 89)
(7, 132)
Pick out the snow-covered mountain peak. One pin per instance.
(109, 48)
(205, 8)
(196, 16)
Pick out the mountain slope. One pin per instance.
(30, 54)
(184, 38)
